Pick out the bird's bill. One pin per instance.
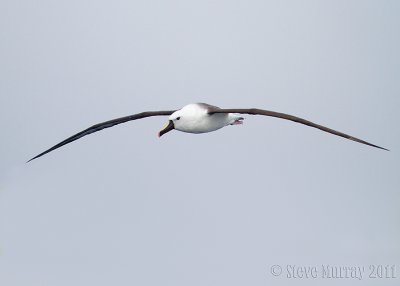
(170, 126)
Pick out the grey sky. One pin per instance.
(123, 207)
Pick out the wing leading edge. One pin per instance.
(255, 111)
(103, 125)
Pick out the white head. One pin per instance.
(184, 119)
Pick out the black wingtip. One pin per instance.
(31, 160)
(379, 147)
(37, 156)
(376, 146)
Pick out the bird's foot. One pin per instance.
(238, 121)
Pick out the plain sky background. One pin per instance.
(122, 207)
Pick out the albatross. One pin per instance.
(200, 118)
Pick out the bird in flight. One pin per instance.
(200, 118)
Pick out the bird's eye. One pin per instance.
(178, 118)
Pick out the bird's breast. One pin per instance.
(203, 124)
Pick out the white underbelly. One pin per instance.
(205, 124)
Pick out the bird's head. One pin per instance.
(174, 122)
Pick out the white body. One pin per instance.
(194, 118)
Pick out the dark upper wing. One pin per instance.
(106, 124)
(254, 111)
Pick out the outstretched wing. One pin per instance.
(106, 124)
(255, 111)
